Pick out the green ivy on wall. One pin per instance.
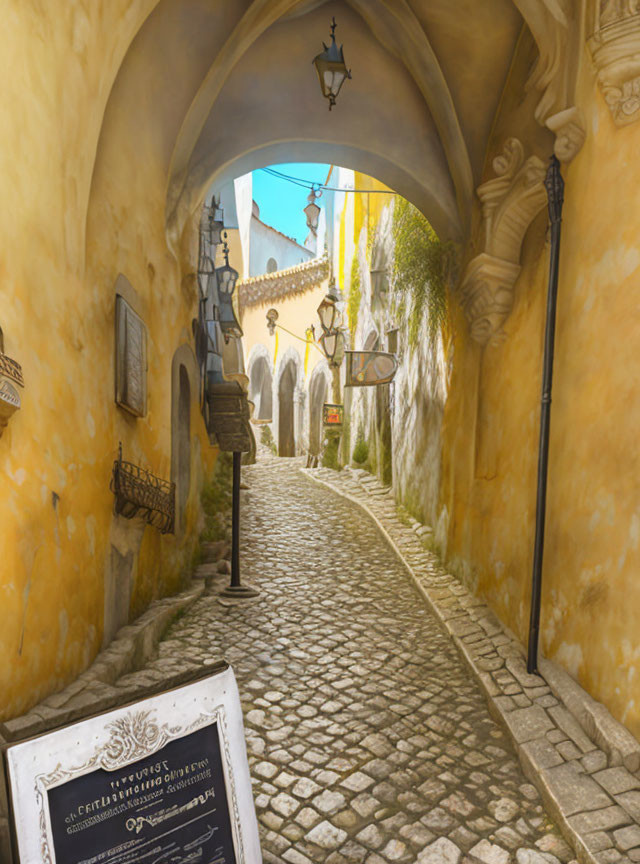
(420, 268)
(355, 294)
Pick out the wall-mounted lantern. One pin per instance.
(272, 317)
(332, 339)
(331, 68)
(333, 346)
(312, 211)
(327, 312)
(227, 277)
(212, 222)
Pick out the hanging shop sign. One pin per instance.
(332, 415)
(367, 368)
(163, 780)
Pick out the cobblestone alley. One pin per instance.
(368, 741)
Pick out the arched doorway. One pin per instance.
(183, 387)
(260, 389)
(317, 398)
(286, 422)
(183, 479)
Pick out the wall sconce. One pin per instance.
(272, 317)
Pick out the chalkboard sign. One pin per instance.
(171, 806)
(165, 781)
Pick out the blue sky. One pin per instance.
(281, 203)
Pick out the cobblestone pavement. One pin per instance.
(367, 739)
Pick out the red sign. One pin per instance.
(332, 415)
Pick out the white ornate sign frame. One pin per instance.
(123, 736)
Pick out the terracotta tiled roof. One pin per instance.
(283, 283)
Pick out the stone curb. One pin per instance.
(102, 685)
(588, 789)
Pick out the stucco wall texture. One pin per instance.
(57, 306)
(591, 591)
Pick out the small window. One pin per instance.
(272, 265)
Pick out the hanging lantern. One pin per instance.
(331, 69)
(312, 212)
(227, 277)
(332, 343)
(327, 312)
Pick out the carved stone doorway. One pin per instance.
(286, 428)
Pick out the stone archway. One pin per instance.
(318, 390)
(286, 411)
(261, 389)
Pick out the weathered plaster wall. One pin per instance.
(590, 590)
(296, 313)
(419, 390)
(57, 302)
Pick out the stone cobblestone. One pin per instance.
(564, 738)
(368, 739)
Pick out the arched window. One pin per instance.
(272, 265)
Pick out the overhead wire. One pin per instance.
(313, 185)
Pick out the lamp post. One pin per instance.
(226, 277)
(331, 68)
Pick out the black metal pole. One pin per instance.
(235, 589)
(555, 193)
(235, 522)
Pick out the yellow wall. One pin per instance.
(591, 591)
(296, 313)
(57, 314)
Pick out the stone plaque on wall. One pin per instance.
(163, 780)
(131, 359)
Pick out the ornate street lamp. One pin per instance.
(331, 68)
(227, 277)
(327, 312)
(312, 211)
(332, 343)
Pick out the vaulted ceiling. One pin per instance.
(214, 88)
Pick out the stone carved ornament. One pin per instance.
(510, 202)
(10, 375)
(615, 49)
(555, 26)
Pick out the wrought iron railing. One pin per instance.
(138, 492)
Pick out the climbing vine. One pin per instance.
(420, 269)
(355, 294)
